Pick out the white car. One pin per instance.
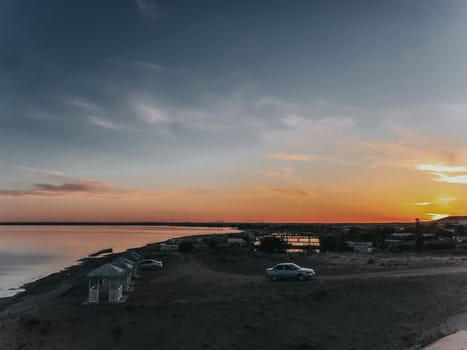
(289, 271)
(150, 264)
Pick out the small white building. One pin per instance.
(132, 259)
(135, 269)
(128, 266)
(361, 247)
(459, 239)
(106, 284)
(134, 254)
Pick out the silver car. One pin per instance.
(289, 271)
(150, 264)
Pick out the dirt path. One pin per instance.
(420, 272)
(191, 267)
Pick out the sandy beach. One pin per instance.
(220, 299)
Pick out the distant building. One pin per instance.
(399, 244)
(459, 239)
(166, 247)
(454, 220)
(296, 243)
(361, 247)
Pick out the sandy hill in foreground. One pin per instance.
(221, 300)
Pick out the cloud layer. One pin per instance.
(442, 173)
(302, 100)
(64, 186)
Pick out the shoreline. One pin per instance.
(81, 266)
(61, 254)
(418, 297)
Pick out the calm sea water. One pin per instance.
(30, 252)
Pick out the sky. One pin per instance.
(211, 110)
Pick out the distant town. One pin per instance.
(446, 233)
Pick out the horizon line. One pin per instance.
(199, 223)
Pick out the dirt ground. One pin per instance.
(209, 300)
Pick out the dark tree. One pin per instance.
(328, 243)
(272, 245)
(419, 241)
(185, 246)
(354, 233)
(213, 243)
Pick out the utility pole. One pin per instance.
(418, 235)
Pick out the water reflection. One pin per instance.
(30, 252)
(296, 243)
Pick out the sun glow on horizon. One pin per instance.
(437, 216)
(442, 171)
(440, 168)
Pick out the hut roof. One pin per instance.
(126, 261)
(123, 263)
(106, 270)
(135, 254)
(132, 257)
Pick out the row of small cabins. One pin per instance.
(112, 281)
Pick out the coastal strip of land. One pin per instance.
(217, 297)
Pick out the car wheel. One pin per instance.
(274, 278)
(301, 277)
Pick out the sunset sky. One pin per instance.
(297, 111)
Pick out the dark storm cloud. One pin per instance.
(70, 186)
(97, 189)
(60, 185)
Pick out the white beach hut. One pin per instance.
(134, 264)
(134, 254)
(106, 282)
(133, 258)
(128, 266)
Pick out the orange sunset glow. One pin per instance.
(315, 192)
